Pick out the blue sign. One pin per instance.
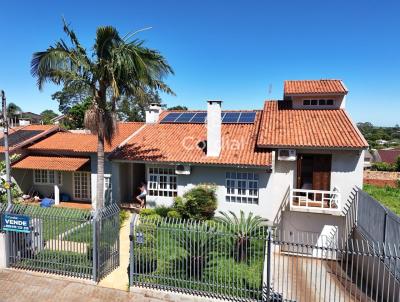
(15, 223)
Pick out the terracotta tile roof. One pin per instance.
(389, 155)
(178, 143)
(283, 126)
(84, 143)
(52, 163)
(314, 87)
(22, 136)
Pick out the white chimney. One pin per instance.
(153, 113)
(214, 122)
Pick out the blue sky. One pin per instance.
(237, 51)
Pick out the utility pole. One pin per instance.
(6, 150)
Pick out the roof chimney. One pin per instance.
(214, 128)
(153, 113)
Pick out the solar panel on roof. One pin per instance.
(199, 117)
(247, 117)
(171, 117)
(19, 136)
(231, 117)
(227, 117)
(185, 117)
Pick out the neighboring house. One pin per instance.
(19, 138)
(381, 142)
(389, 155)
(66, 163)
(368, 160)
(294, 162)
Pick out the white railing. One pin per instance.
(316, 200)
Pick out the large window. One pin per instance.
(82, 185)
(242, 187)
(162, 182)
(46, 177)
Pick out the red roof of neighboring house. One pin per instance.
(314, 87)
(85, 143)
(52, 163)
(283, 126)
(178, 143)
(389, 155)
(22, 136)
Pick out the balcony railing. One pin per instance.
(315, 200)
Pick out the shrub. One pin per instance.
(162, 210)
(397, 164)
(383, 167)
(123, 216)
(198, 203)
(174, 214)
(147, 212)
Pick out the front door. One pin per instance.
(314, 171)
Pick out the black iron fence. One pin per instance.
(205, 258)
(63, 241)
(227, 261)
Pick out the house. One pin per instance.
(302, 154)
(65, 165)
(19, 138)
(294, 161)
(388, 155)
(381, 142)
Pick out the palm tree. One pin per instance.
(119, 66)
(243, 229)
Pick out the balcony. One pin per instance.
(315, 201)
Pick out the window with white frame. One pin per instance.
(162, 182)
(46, 177)
(81, 185)
(242, 187)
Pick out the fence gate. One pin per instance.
(106, 240)
(69, 242)
(54, 240)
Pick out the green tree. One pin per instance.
(179, 107)
(119, 66)
(243, 229)
(47, 116)
(76, 114)
(132, 108)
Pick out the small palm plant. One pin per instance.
(243, 229)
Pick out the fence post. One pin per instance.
(267, 279)
(95, 246)
(132, 265)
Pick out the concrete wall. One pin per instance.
(338, 102)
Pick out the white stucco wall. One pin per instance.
(217, 176)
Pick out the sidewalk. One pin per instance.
(118, 279)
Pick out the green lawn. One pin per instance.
(389, 197)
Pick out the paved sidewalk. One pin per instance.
(21, 286)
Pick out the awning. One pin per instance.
(54, 163)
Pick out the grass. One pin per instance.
(59, 261)
(389, 197)
(166, 258)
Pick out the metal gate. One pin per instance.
(107, 227)
(69, 242)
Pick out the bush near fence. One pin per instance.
(206, 258)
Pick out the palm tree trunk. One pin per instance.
(99, 203)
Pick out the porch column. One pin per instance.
(56, 189)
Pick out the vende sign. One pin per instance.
(15, 223)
